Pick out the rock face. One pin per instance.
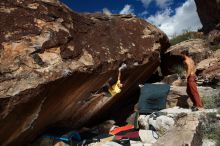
(52, 58)
(198, 49)
(147, 137)
(214, 36)
(209, 69)
(208, 12)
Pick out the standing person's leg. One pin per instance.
(192, 87)
(188, 91)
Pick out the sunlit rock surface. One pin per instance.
(209, 68)
(186, 132)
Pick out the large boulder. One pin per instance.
(148, 136)
(209, 69)
(214, 36)
(51, 59)
(186, 132)
(208, 12)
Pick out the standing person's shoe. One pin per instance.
(194, 108)
(200, 108)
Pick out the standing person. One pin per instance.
(191, 89)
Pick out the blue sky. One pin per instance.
(115, 6)
(171, 16)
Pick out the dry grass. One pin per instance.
(215, 47)
(186, 36)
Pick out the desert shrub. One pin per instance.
(213, 132)
(180, 38)
(179, 70)
(217, 131)
(211, 101)
(215, 47)
(210, 124)
(211, 128)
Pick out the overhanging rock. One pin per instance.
(51, 59)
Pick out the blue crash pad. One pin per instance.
(153, 98)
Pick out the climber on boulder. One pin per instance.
(116, 88)
(191, 89)
(110, 90)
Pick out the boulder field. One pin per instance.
(52, 58)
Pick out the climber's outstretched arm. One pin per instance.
(123, 66)
(119, 74)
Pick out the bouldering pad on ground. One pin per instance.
(152, 98)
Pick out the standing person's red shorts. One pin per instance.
(192, 91)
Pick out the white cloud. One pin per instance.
(127, 10)
(146, 2)
(143, 14)
(185, 18)
(159, 3)
(161, 17)
(106, 11)
(163, 3)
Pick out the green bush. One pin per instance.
(211, 128)
(213, 133)
(211, 102)
(217, 131)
